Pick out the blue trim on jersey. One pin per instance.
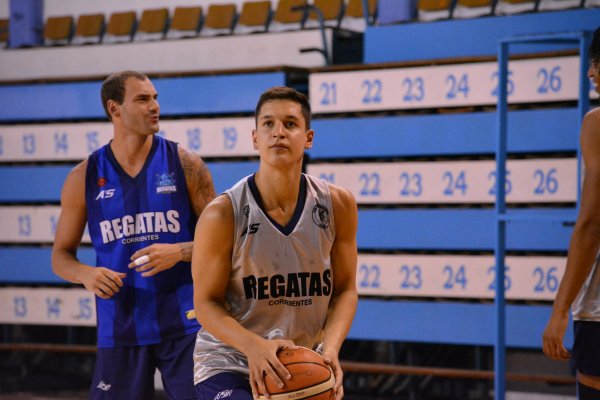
(126, 214)
(300, 201)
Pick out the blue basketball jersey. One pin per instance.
(126, 214)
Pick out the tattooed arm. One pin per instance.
(199, 182)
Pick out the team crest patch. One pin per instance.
(165, 183)
(320, 215)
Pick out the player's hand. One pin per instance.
(103, 282)
(331, 358)
(262, 360)
(553, 336)
(156, 258)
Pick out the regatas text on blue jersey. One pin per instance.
(148, 222)
(301, 284)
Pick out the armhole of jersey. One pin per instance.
(231, 197)
(180, 168)
(86, 185)
(332, 224)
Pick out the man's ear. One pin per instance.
(113, 108)
(254, 141)
(310, 134)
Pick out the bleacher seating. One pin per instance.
(354, 16)
(153, 24)
(121, 27)
(186, 22)
(220, 20)
(431, 10)
(472, 8)
(507, 7)
(58, 30)
(546, 5)
(4, 30)
(331, 11)
(285, 18)
(90, 29)
(255, 17)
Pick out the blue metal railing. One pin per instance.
(502, 216)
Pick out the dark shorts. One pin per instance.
(128, 372)
(585, 357)
(226, 385)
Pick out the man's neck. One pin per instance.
(131, 152)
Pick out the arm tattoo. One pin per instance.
(199, 180)
(186, 250)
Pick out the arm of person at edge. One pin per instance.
(103, 282)
(163, 256)
(211, 269)
(344, 298)
(584, 243)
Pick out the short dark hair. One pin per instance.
(595, 47)
(113, 87)
(284, 93)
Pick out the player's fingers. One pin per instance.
(262, 388)
(563, 353)
(140, 260)
(255, 386)
(281, 372)
(339, 392)
(98, 292)
(146, 267)
(109, 286)
(104, 291)
(151, 272)
(117, 278)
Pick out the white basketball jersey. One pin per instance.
(281, 279)
(586, 306)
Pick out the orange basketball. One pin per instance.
(311, 377)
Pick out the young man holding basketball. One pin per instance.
(274, 262)
(579, 288)
(140, 196)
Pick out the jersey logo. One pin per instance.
(165, 183)
(223, 394)
(106, 194)
(104, 386)
(250, 229)
(320, 215)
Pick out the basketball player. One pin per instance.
(274, 262)
(580, 285)
(140, 195)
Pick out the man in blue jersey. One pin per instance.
(274, 262)
(140, 196)
(580, 286)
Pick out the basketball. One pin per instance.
(311, 377)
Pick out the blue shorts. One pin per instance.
(226, 385)
(128, 372)
(585, 357)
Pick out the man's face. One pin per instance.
(281, 135)
(140, 110)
